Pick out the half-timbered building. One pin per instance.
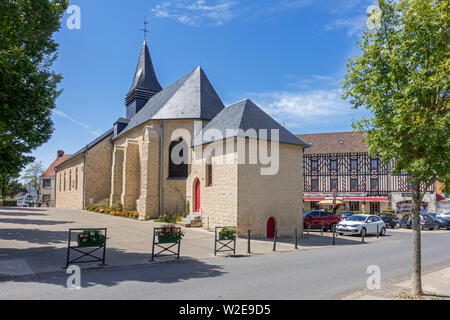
(340, 162)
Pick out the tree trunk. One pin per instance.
(416, 279)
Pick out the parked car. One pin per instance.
(362, 224)
(389, 220)
(442, 220)
(317, 219)
(426, 222)
(23, 204)
(445, 216)
(346, 214)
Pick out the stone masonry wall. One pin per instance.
(278, 196)
(69, 194)
(218, 203)
(98, 172)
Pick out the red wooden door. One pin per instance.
(197, 196)
(270, 228)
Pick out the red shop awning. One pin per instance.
(313, 199)
(367, 199)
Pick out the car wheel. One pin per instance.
(383, 232)
(363, 232)
(333, 227)
(398, 225)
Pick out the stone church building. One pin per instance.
(238, 166)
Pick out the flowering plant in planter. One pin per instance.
(91, 238)
(169, 234)
(227, 233)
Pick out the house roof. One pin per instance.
(50, 172)
(191, 97)
(234, 120)
(331, 142)
(145, 76)
(92, 144)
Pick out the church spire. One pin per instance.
(144, 85)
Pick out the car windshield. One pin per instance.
(357, 218)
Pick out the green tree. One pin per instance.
(28, 86)
(9, 188)
(32, 176)
(402, 78)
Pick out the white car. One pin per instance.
(22, 204)
(362, 224)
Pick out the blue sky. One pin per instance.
(287, 56)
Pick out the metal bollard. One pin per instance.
(309, 227)
(362, 238)
(215, 242)
(275, 241)
(334, 238)
(248, 244)
(296, 239)
(321, 231)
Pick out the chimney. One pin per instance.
(60, 153)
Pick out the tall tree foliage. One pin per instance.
(28, 86)
(402, 77)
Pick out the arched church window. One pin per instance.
(178, 166)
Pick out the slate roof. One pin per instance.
(50, 172)
(245, 115)
(145, 76)
(331, 142)
(92, 144)
(191, 97)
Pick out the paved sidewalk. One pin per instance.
(435, 285)
(34, 240)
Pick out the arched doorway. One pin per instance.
(196, 195)
(271, 228)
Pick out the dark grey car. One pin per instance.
(426, 222)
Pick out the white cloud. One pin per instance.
(353, 25)
(66, 116)
(352, 15)
(196, 12)
(315, 109)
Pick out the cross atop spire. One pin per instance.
(145, 30)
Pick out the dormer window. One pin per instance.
(333, 165)
(354, 164)
(374, 164)
(314, 165)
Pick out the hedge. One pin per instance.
(9, 203)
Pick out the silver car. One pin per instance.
(362, 224)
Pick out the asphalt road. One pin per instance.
(313, 274)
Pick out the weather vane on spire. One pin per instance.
(145, 30)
